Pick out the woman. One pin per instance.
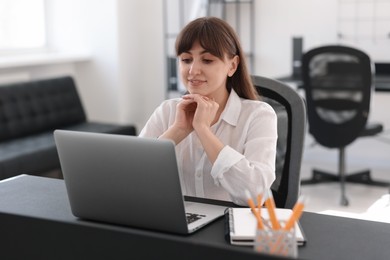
(225, 137)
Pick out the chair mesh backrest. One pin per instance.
(290, 110)
(337, 83)
(281, 146)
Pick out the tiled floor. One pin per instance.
(367, 202)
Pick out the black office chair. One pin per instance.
(290, 109)
(338, 82)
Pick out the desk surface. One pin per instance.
(381, 82)
(36, 222)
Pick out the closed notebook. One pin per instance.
(241, 225)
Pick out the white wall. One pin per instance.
(141, 58)
(124, 81)
(278, 21)
(87, 25)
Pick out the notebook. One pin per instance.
(128, 180)
(241, 225)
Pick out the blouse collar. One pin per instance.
(232, 109)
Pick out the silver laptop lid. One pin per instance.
(120, 179)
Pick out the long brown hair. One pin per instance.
(218, 37)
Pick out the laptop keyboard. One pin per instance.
(192, 217)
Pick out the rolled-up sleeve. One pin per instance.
(252, 167)
(226, 159)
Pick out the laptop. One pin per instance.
(128, 180)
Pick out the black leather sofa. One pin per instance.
(30, 112)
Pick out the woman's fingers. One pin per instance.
(205, 110)
(197, 98)
(188, 104)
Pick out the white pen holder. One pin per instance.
(276, 242)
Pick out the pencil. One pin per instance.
(270, 204)
(296, 214)
(255, 212)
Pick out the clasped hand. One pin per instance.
(195, 112)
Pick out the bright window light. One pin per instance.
(22, 24)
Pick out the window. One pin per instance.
(22, 25)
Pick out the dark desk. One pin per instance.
(36, 223)
(381, 82)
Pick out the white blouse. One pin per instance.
(248, 128)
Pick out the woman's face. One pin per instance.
(205, 74)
